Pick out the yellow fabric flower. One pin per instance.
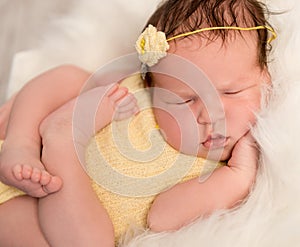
(151, 45)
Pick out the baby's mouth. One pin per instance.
(215, 141)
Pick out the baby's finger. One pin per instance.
(128, 99)
(126, 114)
(118, 94)
(245, 153)
(126, 107)
(248, 141)
(112, 89)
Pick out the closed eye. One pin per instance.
(188, 101)
(232, 92)
(185, 102)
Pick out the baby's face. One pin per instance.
(237, 78)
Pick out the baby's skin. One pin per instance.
(21, 165)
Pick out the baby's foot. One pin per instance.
(20, 167)
(36, 181)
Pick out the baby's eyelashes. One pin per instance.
(181, 101)
(238, 89)
(232, 92)
(185, 102)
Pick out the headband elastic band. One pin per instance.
(274, 35)
(152, 45)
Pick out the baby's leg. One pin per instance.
(76, 205)
(73, 216)
(19, 223)
(20, 165)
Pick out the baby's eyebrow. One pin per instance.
(239, 85)
(183, 94)
(188, 91)
(238, 79)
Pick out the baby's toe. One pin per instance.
(45, 178)
(17, 172)
(36, 175)
(26, 171)
(54, 185)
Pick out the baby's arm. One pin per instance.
(225, 188)
(5, 110)
(20, 164)
(41, 96)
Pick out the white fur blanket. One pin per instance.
(271, 215)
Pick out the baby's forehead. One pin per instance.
(189, 83)
(235, 52)
(199, 42)
(222, 63)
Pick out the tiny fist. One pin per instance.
(245, 153)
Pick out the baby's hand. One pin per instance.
(117, 104)
(124, 103)
(244, 158)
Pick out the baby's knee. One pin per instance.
(54, 126)
(19, 223)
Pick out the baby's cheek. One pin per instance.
(168, 127)
(238, 120)
(252, 119)
(253, 108)
(180, 130)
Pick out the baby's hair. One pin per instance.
(179, 16)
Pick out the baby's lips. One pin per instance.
(215, 141)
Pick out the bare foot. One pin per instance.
(21, 168)
(20, 165)
(39, 182)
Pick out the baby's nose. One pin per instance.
(209, 116)
(204, 117)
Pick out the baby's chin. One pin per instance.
(222, 154)
(215, 154)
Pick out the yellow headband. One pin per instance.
(152, 45)
(274, 35)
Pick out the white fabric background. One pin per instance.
(22, 24)
(92, 33)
